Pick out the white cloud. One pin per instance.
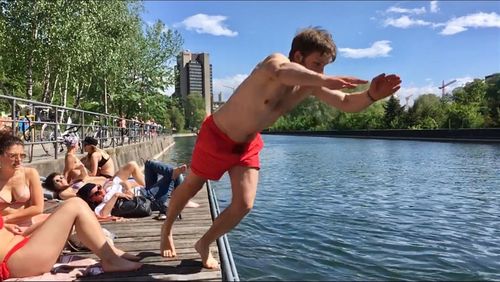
(434, 7)
(378, 49)
(213, 25)
(405, 22)
(416, 11)
(457, 25)
(227, 85)
(461, 81)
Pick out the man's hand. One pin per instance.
(340, 82)
(123, 195)
(383, 86)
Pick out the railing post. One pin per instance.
(13, 113)
(56, 146)
(82, 131)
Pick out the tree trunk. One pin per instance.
(105, 96)
(65, 91)
(53, 90)
(46, 82)
(30, 60)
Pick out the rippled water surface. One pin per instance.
(360, 209)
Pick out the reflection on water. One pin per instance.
(358, 209)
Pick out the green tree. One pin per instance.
(427, 113)
(394, 113)
(492, 118)
(469, 105)
(194, 110)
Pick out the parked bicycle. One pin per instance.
(99, 132)
(54, 133)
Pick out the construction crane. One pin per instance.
(407, 98)
(443, 86)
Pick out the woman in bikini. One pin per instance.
(22, 256)
(21, 196)
(71, 162)
(98, 162)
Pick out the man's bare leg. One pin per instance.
(175, 173)
(244, 188)
(131, 168)
(180, 196)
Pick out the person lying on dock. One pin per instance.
(155, 187)
(229, 140)
(57, 183)
(21, 194)
(22, 256)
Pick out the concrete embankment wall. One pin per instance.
(121, 155)
(490, 135)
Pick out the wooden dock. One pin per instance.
(141, 237)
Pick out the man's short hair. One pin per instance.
(313, 39)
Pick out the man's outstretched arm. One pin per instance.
(289, 73)
(380, 87)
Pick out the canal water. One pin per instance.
(366, 209)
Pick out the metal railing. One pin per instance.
(228, 266)
(43, 127)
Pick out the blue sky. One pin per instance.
(425, 42)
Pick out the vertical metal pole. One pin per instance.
(56, 147)
(13, 113)
(82, 130)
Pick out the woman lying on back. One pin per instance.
(57, 183)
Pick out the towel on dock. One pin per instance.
(67, 268)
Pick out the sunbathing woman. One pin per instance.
(71, 162)
(22, 256)
(57, 183)
(21, 196)
(97, 161)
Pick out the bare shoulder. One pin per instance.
(31, 173)
(271, 64)
(275, 58)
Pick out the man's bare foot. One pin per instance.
(178, 171)
(119, 264)
(191, 204)
(167, 248)
(206, 256)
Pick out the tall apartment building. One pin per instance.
(194, 75)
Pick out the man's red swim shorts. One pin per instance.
(214, 152)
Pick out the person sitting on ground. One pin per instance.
(71, 162)
(22, 256)
(103, 199)
(57, 183)
(21, 194)
(97, 161)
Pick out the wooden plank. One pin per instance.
(141, 237)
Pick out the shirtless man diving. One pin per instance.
(229, 140)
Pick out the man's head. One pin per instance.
(91, 193)
(313, 48)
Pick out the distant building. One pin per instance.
(194, 75)
(217, 104)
